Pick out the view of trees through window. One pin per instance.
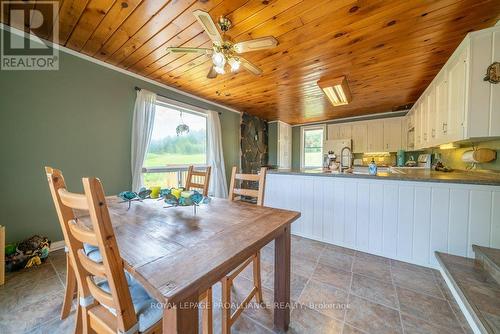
(313, 147)
(166, 148)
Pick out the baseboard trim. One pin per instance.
(56, 245)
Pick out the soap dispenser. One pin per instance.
(372, 167)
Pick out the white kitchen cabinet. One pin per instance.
(459, 105)
(359, 137)
(424, 121)
(457, 76)
(333, 131)
(339, 131)
(345, 131)
(431, 116)
(441, 89)
(375, 136)
(418, 125)
(284, 153)
(392, 134)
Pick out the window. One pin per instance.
(169, 154)
(312, 146)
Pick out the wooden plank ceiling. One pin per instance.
(389, 49)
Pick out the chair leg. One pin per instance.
(226, 306)
(79, 320)
(208, 313)
(256, 277)
(69, 294)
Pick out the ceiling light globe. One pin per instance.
(219, 59)
(219, 69)
(235, 64)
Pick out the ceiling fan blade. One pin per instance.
(254, 69)
(209, 25)
(212, 74)
(256, 44)
(190, 50)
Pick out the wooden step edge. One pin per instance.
(469, 310)
(489, 264)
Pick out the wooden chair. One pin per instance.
(190, 183)
(107, 293)
(234, 192)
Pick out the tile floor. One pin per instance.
(334, 290)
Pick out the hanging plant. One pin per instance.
(182, 128)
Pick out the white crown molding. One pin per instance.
(64, 49)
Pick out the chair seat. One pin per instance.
(147, 309)
(92, 252)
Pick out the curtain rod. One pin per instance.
(139, 88)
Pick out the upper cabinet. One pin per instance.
(359, 137)
(339, 131)
(459, 104)
(392, 134)
(375, 136)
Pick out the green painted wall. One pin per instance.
(272, 138)
(296, 147)
(77, 119)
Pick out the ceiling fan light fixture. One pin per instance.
(218, 59)
(337, 90)
(220, 69)
(235, 64)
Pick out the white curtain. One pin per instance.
(142, 128)
(218, 184)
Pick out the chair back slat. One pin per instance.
(103, 297)
(102, 235)
(247, 177)
(82, 235)
(198, 179)
(94, 268)
(246, 192)
(72, 200)
(258, 193)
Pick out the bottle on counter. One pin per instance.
(372, 168)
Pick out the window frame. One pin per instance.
(185, 108)
(303, 130)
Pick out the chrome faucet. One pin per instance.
(342, 166)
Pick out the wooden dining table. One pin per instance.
(177, 253)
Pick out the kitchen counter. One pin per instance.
(457, 176)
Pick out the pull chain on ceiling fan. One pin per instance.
(224, 53)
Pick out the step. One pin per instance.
(477, 293)
(489, 258)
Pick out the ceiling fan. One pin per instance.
(224, 52)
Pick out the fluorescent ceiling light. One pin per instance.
(337, 90)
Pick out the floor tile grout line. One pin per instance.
(397, 299)
(348, 295)
(310, 276)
